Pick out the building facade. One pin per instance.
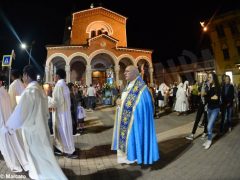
(224, 32)
(180, 73)
(97, 50)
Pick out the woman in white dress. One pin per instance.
(181, 100)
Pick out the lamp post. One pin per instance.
(29, 57)
(24, 46)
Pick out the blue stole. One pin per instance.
(127, 112)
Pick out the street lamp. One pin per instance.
(24, 46)
(204, 26)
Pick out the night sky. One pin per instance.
(168, 27)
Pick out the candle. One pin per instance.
(18, 99)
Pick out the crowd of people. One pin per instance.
(27, 107)
(210, 98)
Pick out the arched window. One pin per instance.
(99, 32)
(99, 27)
(93, 34)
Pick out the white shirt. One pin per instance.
(91, 91)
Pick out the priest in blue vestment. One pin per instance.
(134, 135)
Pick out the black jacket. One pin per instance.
(213, 103)
(227, 97)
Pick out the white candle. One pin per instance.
(18, 99)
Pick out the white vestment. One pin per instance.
(62, 119)
(12, 150)
(31, 114)
(15, 89)
(181, 104)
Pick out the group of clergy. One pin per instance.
(24, 136)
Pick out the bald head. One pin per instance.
(131, 73)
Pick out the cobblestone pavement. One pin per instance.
(181, 159)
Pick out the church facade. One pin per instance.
(97, 50)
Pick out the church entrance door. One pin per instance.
(99, 77)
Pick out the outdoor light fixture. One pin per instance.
(23, 46)
(69, 28)
(204, 26)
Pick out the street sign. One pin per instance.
(7, 60)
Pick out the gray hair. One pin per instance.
(134, 69)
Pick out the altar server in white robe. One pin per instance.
(15, 90)
(16, 87)
(31, 115)
(62, 119)
(12, 150)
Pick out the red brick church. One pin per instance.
(97, 50)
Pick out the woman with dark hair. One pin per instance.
(213, 101)
(73, 109)
(227, 98)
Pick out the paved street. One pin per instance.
(180, 158)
